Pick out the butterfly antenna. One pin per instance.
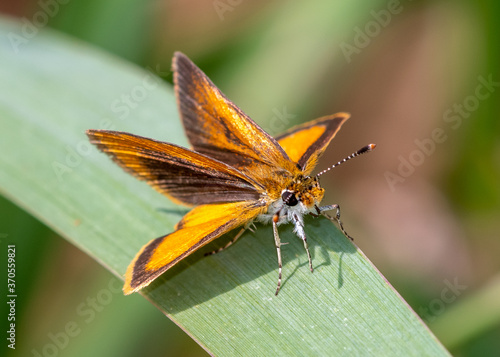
(361, 151)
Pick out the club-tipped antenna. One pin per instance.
(361, 151)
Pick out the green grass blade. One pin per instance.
(52, 90)
(473, 315)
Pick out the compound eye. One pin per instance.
(289, 198)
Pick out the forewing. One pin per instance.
(218, 128)
(305, 143)
(199, 227)
(183, 175)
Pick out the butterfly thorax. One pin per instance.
(300, 197)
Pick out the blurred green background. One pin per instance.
(420, 78)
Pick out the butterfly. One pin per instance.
(234, 175)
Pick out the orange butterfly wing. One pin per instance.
(305, 143)
(183, 175)
(218, 128)
(198, 227)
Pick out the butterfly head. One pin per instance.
(304, 191)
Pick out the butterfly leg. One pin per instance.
(299, 229)
(336, 218)
(277, 243)
(231, 242)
